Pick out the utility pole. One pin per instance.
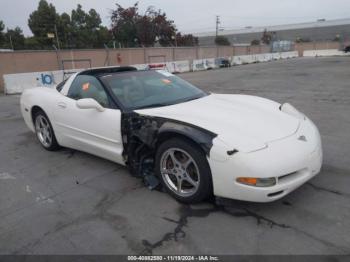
(59, 48)
(58, 41)
(217, 25)
(11, 43)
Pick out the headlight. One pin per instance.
(291, 110)
(257, 182)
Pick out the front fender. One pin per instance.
(202, 137)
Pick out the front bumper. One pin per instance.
(292, 161)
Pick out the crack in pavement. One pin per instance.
(58, 194)
(100, 212)
(259, 218)
(319, 188)
(187, 212)
(178, 232)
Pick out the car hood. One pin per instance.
(245, 123)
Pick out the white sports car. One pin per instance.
(168, 131)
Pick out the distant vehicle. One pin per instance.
(165, 129)
(222, 62)
(347, 49)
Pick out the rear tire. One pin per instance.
(183, 170)
(44, 131)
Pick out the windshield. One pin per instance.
(145, 89)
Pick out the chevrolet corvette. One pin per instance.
(172, 134)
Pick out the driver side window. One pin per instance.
(86, 86)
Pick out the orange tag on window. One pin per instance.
(86, 86)
(166, 81)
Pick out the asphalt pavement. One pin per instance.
(69, 202)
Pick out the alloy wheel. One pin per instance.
(180, 172)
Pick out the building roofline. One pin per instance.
(260, 29)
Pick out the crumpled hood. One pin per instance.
(245, 123)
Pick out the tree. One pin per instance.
(165, 29)
(124, 25)
(43, 21)
(64, 30)
(31, 43)
(2, 27)
(78, 17)
(86, 29)
(255, 42)
(78, 37)
(266, 37)
(103, 37)
(16, 37)
(2, 36)
(79, 30)
(98, 34)
(146, 31)
(222, 40)
(93, 19)
(186, 40)
(132, 29)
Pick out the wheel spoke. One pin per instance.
(45, 137)
(42, 124)
(176, 167)
(189, 179)
(43, 131)
(187, 163)
(173, 158)
(49, 137)
(179, 184)
(167, 171)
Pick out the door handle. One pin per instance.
(62, 105)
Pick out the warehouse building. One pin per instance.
(321, 30)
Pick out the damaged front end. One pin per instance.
(143, 134)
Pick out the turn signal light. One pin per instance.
(247, 180)
(257, 182)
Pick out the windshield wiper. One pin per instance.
(190, 99)
(152, 106)
(167, 104)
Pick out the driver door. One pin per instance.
(89, 130)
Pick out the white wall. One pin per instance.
(16, 83)
(326, 52)
(260, 58)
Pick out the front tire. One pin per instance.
(44, 131)
(184, 170)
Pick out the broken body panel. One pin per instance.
(142, 134)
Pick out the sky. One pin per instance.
(191, 16)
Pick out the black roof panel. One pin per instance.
(107, 70)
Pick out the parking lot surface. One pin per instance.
(69, 202)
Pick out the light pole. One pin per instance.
(217, 25)
(11, 43)
(175, 39)
(58, 41)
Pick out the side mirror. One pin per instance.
(89, 103)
